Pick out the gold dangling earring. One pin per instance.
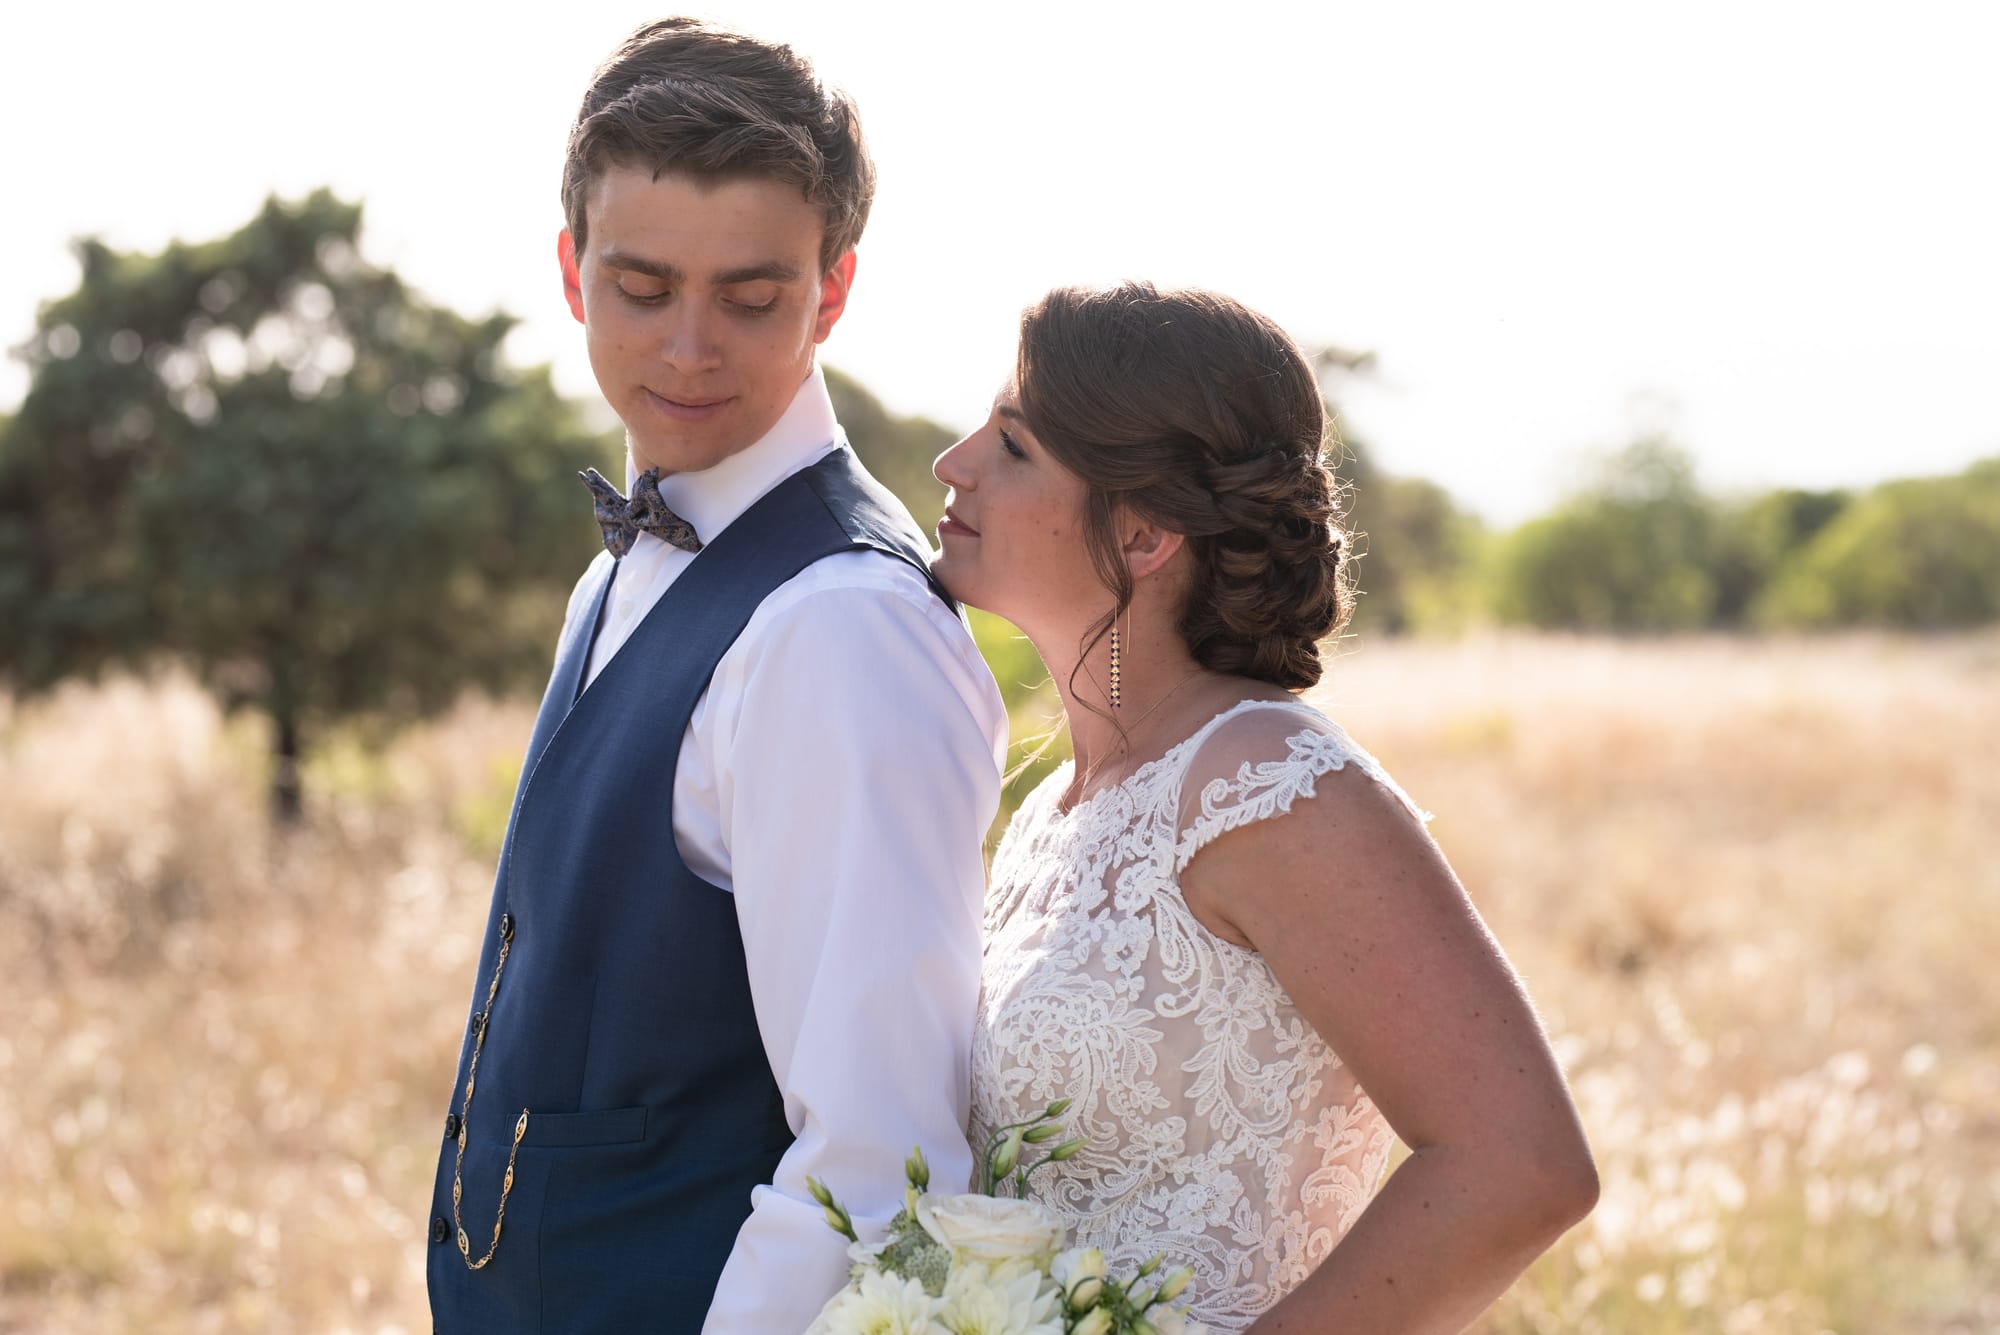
(1115, 662)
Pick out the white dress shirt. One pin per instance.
(838, 776)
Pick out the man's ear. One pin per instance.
(832, 296)
(571, 279)
(1147, 546)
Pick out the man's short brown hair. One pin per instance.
(681, 95)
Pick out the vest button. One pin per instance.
(506, 927)
(451, 1126)
(440, 1229)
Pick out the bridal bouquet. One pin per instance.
(984, 1264)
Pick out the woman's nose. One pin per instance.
(949, 467)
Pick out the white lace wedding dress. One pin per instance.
(1222, 1131)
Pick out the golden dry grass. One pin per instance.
(1754, 886)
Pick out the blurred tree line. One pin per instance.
(1642, 548)
(1639, 547)
(270, 461)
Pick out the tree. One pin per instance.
(1629, 552)
(1755, 538)
(1918, 554)
(1414, 548)
(277, 464)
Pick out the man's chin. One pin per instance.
(678, 456)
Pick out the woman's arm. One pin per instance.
(1364, 923)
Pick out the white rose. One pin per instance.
(992, 1231)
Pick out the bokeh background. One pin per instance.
(1661, 344)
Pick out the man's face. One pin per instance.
(701, 304)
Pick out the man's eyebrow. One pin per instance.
(618, 259)
(770, 271)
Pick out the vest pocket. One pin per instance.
(613, 1126)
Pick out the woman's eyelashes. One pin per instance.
(1013, 447)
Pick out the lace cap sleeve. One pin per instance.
(1255, 761)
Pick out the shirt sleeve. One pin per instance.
(854, 786)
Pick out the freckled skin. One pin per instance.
(1029, 552)
(1498, 1166)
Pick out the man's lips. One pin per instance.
(690, 409)
(951, 523)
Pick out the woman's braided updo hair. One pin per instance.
(1202, 416)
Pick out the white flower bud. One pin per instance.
(1098, 1322)
(1009, 1156)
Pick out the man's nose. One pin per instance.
(689, 344)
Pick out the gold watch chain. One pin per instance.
(480, 1023)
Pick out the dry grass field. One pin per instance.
(1754, 886)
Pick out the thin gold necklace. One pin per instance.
(1090, 776)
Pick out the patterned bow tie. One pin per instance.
(647, 512)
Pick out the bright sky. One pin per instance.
(1775, 227)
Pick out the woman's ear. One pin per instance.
(1147, 546)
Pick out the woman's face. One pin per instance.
(1012, 533)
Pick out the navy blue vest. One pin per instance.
(623, 1020)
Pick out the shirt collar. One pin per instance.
(712, 499)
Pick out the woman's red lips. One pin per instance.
(951, 523)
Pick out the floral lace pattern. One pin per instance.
(1222, 1130)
